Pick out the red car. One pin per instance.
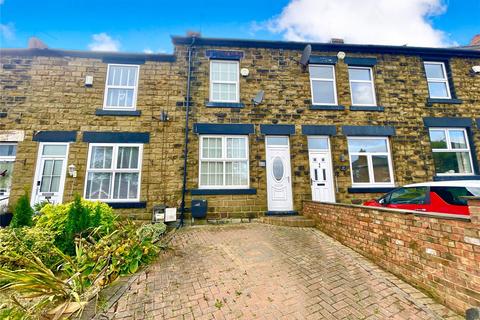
(441, 197)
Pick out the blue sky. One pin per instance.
(147, 25)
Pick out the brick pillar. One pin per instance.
(474, 207)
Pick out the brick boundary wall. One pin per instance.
(440, 255)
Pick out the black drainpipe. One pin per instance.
(185, 150)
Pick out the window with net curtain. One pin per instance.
(121, 87)
(370, 161)
(224, 81)
(224, 162)
(451, 151)
(113, 172)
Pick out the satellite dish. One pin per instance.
(306, 56)
(258, 98)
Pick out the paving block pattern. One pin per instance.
(259, 271)
(290, 221)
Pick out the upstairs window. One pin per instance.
(437, 79)
(322, 84)
(224, 81)
(224, 162)
(361, 86)
(121, 87)
(451, 151)
(370, 161)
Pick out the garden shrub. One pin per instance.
(67, 221)
(151, 231)
(22, 212)
(16, 243)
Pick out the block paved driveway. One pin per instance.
(256, 271)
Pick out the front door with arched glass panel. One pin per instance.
(279, 177)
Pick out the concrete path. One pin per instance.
(256, 271)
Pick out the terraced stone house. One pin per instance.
(265, 132)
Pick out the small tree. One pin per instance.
(22, 212)
(78, 221)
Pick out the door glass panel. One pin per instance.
(54, 150)
(277, 141)
(381, 171)
(360, 169)
(277, 168)
(317, 143)
(415, 195)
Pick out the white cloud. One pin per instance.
(2, 2)
(7, 31)
(147, 51)
(366, 21)
(103, 42)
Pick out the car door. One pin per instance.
(409, 198)
(449, 200)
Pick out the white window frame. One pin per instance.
(135, 88)
(372, 86)
(438, 80)
(369, 155)
(8, 159)
(224, 159)
(450, 149)
(114, 170)
(237, 82)
(334, 80)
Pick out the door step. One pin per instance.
(289, 221)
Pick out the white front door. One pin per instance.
(321, 173)
(279, 177)
(50, 173)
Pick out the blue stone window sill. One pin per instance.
(444, 101)
(127, 205)
(326, 107)
(211, 104)
(196, 192)
(452, 178)
(370, 189)
(367, 108)
(121, 113)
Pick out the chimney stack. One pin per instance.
(35, 43)
(193, 34)
(475, 40)
(337, 41)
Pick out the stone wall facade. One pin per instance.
(45, 90)
(439, 255)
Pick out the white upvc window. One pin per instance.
(224, 162)
(438, 86)
(370, 161)
(224, 81)
(121, 87)
(8, 152)
(362, 89)
(451, 151)
(322, 84)
(114, 172)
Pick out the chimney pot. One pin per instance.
(337, 41)
(35, 43)
(192, 34)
